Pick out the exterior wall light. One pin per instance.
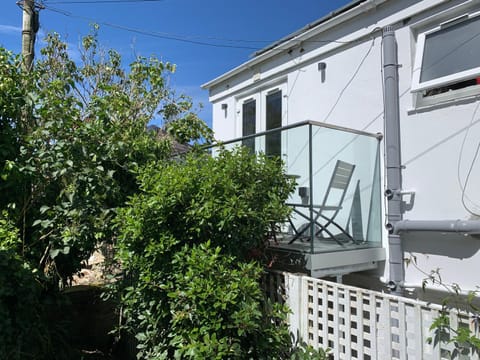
(225, 108)
(322, 67)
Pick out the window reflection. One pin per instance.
(273, 142)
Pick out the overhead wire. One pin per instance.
(339, 97)
(192, 39)
(101, 1)
(463, 186)
(467, 178)
(147, 32)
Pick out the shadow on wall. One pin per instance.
(451, 245)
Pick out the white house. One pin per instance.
(332, 89)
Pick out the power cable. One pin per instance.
(357, 70)
(467, 178)
(463, 186)
(148, 33)
(354, 75)
(101, 1)
(197, 40)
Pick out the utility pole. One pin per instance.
(29, 30)
(30, 26)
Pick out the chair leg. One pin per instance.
(297, 233)
(331, 221)
(292, 225)
(330, 234)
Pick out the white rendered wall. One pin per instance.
(350, 95)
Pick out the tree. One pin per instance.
(73, 138)
(76, 160)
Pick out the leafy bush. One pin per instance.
(24, 315)
(231, 199)
(218, 310)
(19, 309)
(72, 136)
(464, 341)
(186, 242)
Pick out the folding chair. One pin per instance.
(341, 177)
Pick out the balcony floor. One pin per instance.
(328, 257)
(320, 244)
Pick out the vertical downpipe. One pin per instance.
(393, 158)
(310, 180)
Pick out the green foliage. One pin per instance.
(15, 93)
(230, 199)
(75, 160)
(189, 128)
(24, 317)
(19, 308)
(217, 309)
(186, 242)
(9, 239)
(303, 351)
(72, 138)
(466, 342)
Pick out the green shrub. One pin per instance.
(231, 199)
(20, 315)
(72, 134)
(186, 241)
(26, 331)
(218, 310)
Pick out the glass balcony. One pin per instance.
(336, 205)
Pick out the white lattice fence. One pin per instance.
(358, 323)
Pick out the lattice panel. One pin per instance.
(362, 324)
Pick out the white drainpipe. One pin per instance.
(467, 227)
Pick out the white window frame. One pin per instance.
(259, 94)
(444, 80)
(239, 113)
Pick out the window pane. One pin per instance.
(249, 111)
(451, 50)
(273, 144)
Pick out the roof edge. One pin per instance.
(309, 26)
(348, 11)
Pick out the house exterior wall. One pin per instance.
(438, 141)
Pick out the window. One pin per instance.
(273, 142)
(249, 118)
(448, 57)
(259, 110)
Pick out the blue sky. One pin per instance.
(230, 31)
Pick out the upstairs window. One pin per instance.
(273, 141)
(249, 118)
(448, 57)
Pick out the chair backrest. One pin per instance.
(341, 176)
